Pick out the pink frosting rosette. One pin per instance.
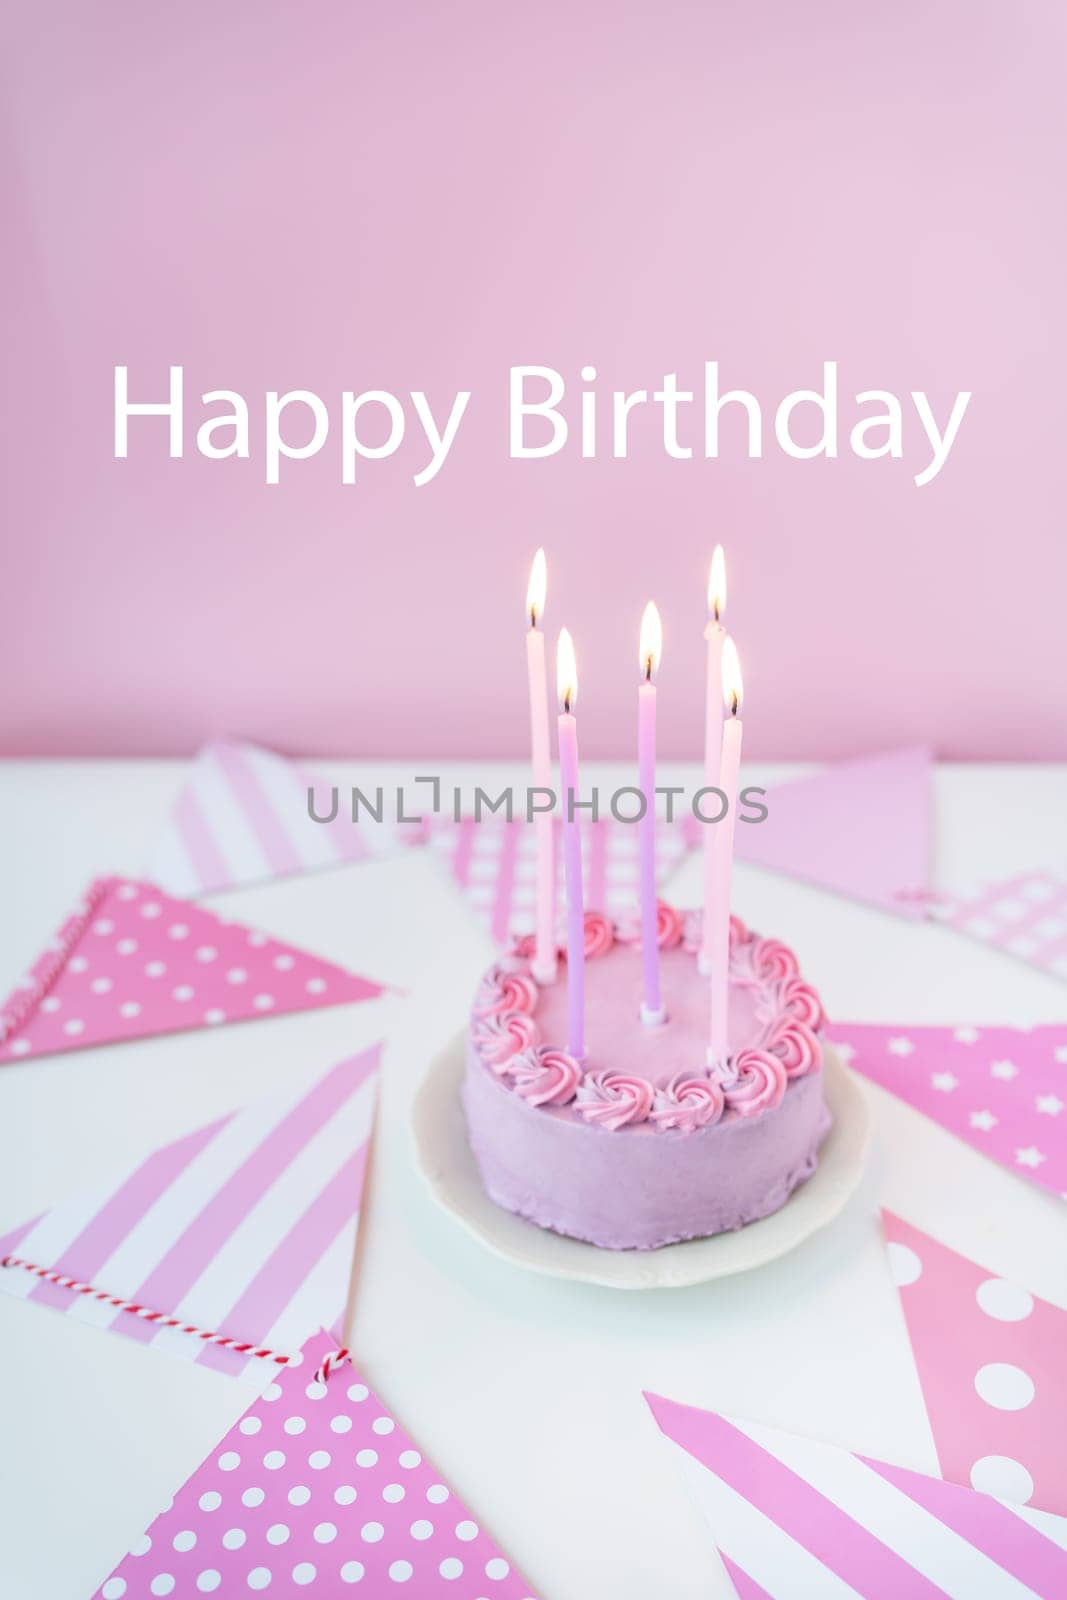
(669, 926)
(759, 1083)
(773, 961)
(613, 1099)
(502, 990)
(523, 947)
(802, 1002)
(687, 1104)
(545, 1076)
(599, 934)
(497, 1039)
(739, 934)
(795, 1045)
(672, 927)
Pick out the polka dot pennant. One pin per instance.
(316, 1490)
(131, 962)
(992, 1362)
(1003, 1090)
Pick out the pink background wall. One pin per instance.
(355, 195)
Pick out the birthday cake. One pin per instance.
(641, 1143)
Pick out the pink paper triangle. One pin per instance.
(244, 1228)
(1025, 916)
(131, 962)
(315, 1490)
(795, 1517)
(860, 828)
(992, 1361)
(494, 864)
(746, 1588)
(242, 817)
(1003, 1090)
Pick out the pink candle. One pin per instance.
(544, 961)
(718, 1049)
(649, 655)
(567, 682)
(715, 634)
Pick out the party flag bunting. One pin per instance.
(314, 1490)
(131, 962)
(1024, 916)
(860, 828)
(1003, 1090)
(992, 1362)
(239, 1234)
(242, 817)
(494, 864)
(796, 1519)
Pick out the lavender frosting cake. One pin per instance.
(640, 1145)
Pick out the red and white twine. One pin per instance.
(22, 1006)
(243, 1347)
(26, 1000)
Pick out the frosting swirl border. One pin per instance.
(752, 1082)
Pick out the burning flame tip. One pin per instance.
(650, 649)
(537, 587)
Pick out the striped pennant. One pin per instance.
(794, 1518)
(494, 864)
(242, 817)
(245, 1227)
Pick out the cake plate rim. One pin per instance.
(446, 1163)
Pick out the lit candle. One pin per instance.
(567, 685)
(544, 961)
(651, 648)
(715, 634)
(718, 1049)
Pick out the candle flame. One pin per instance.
(651, 646)
(732, 693)
(537, 589)
(566, 671)
(717, 584)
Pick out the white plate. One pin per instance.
(446, 1162)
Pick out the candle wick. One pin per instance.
(533, 616)
(733, 711)
(715, 610)
(567, 703)
(648, 670)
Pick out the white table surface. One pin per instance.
(526, 1391)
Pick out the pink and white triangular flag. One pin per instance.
(316, 1490)
(243, 1230)
(992, 1362)
(1003, 1090)
(1024, 916)
(800, 1519)
(131, 962)
(242, 817)
(860, 828)
(494, 864)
